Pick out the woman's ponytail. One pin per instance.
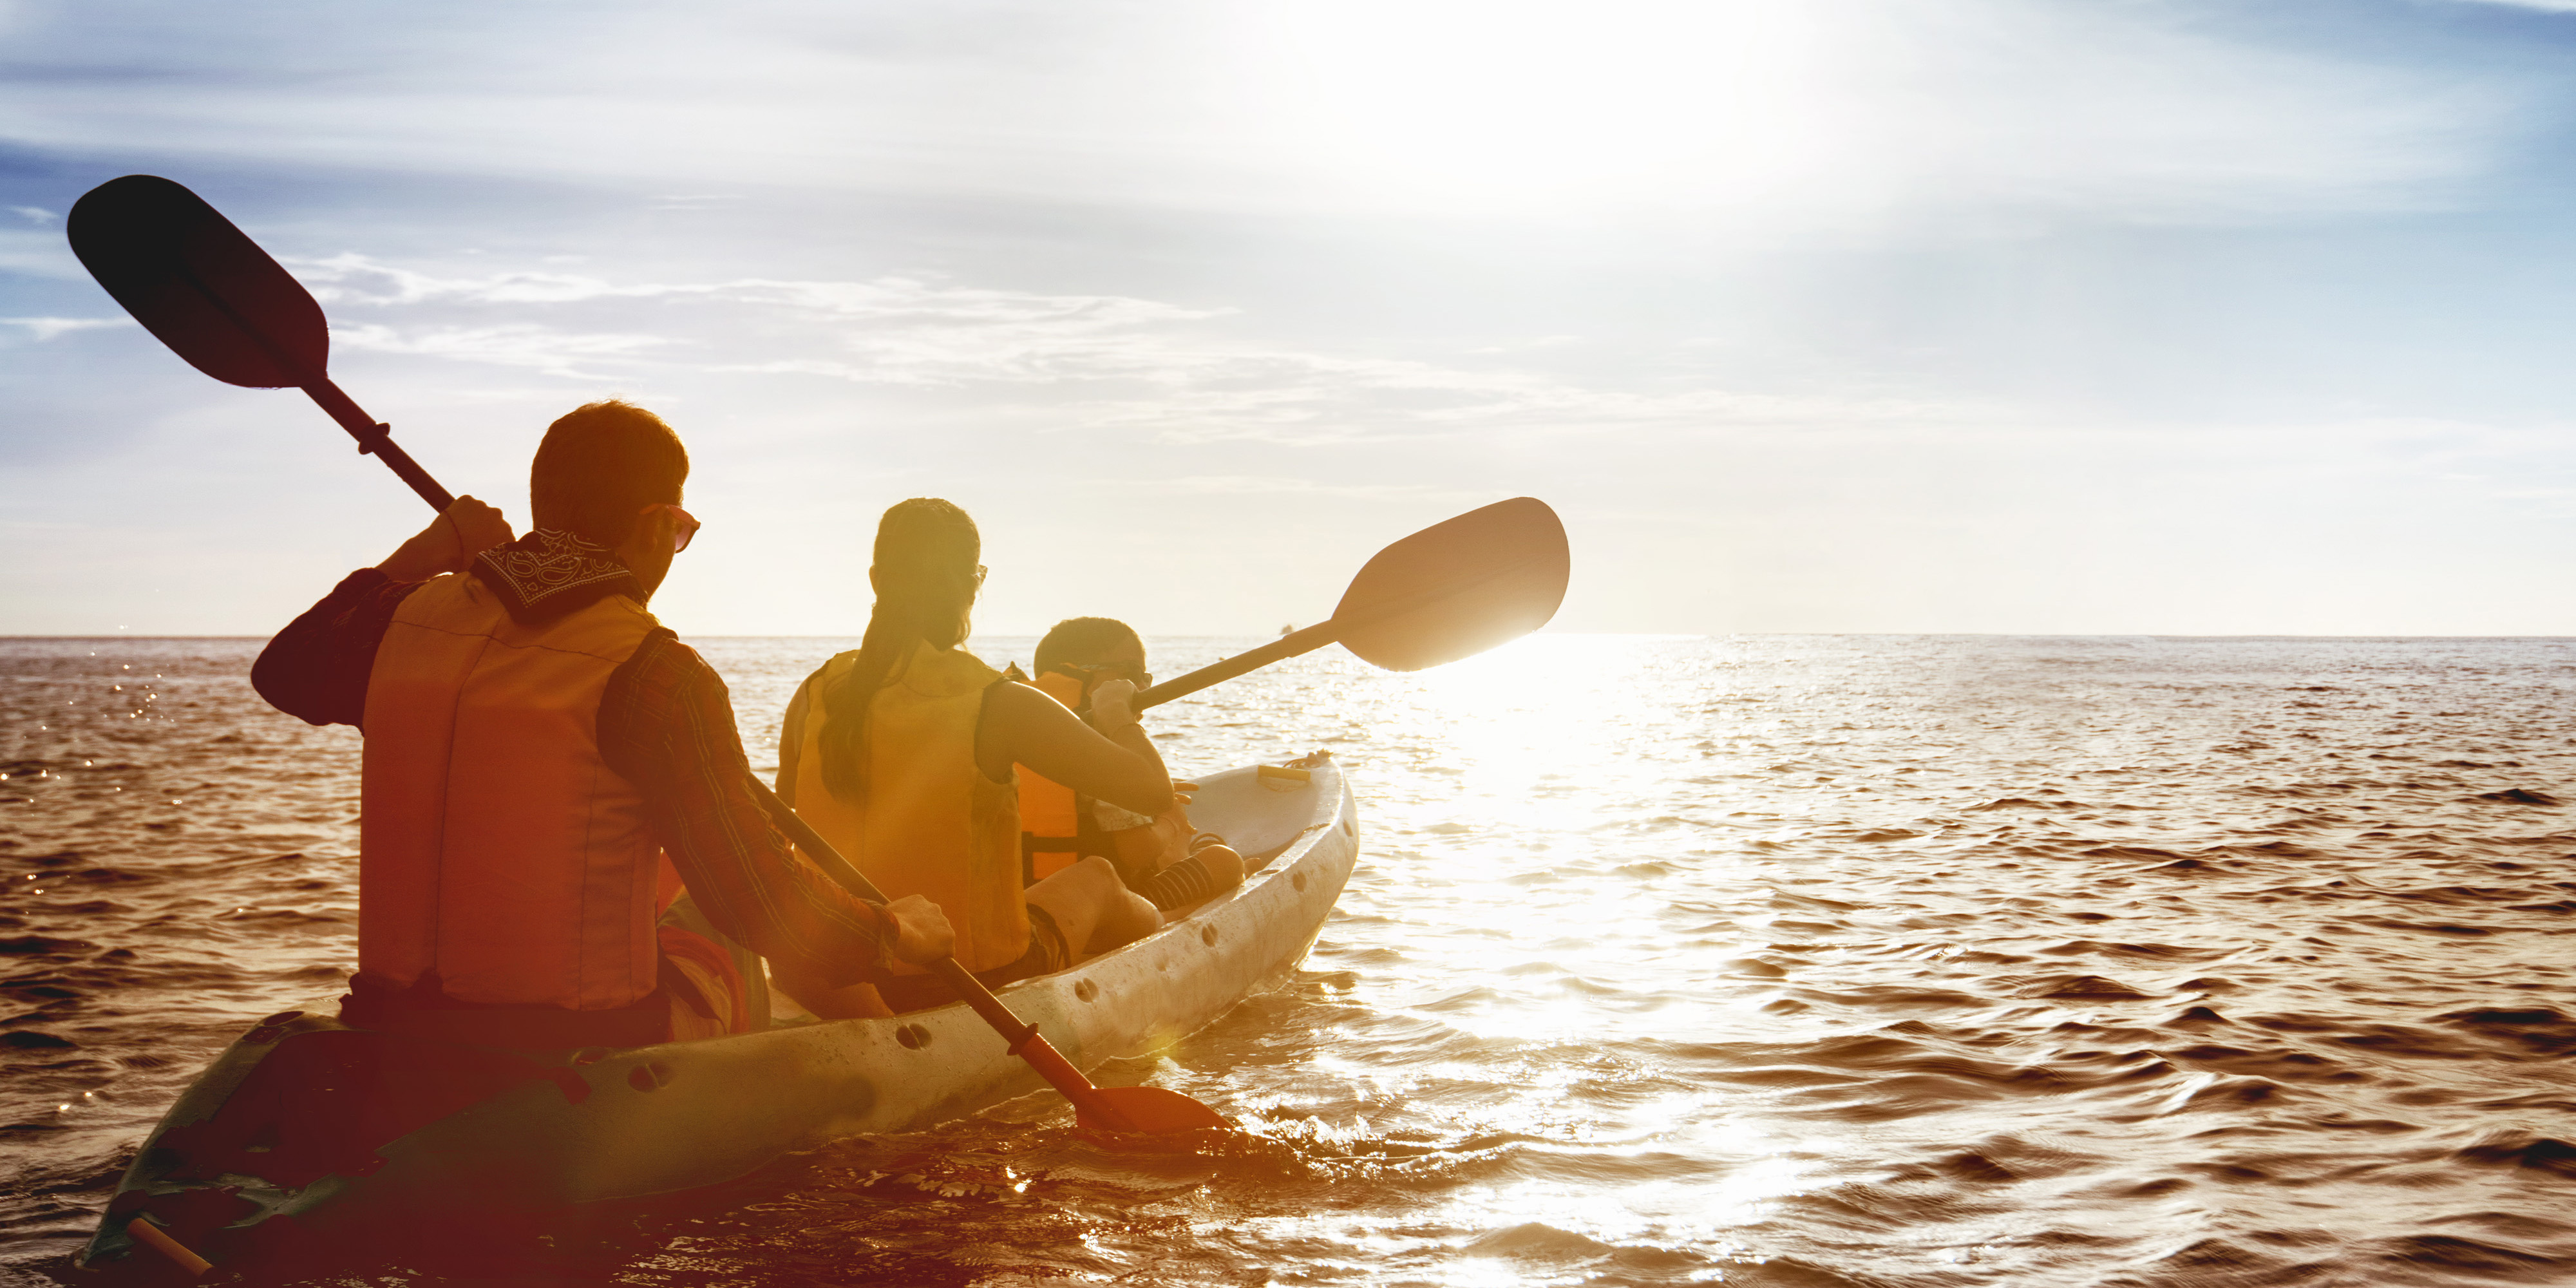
(925, 586)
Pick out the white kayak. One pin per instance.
(351, 1120)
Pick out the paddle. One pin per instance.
(1452, 590)
(212, 295)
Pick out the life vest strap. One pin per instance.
(1033, 845)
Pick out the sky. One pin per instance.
(2118, 317)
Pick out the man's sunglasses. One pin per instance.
(683, 525)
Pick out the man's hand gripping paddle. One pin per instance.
(1450, 591)
(211, 294)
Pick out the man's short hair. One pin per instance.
(599, 466)
(1080, 641)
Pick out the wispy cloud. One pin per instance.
(47, 328)
(1770, 114)
(573, 356)
(1147, 368)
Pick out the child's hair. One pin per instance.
(1083, 640)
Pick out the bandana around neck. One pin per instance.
(550, 573)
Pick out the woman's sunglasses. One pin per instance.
(683, 525)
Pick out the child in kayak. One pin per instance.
(1162, 858)
(535, 743)
(901, 753)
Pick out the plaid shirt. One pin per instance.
(666, 726)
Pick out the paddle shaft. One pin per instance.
(143, 1231)
(1025, 1041)
(374, 438)
(1280, 649)
(1308, 640)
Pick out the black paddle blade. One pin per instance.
(1458, 588)
(199, 284)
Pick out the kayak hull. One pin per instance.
(578, 1127)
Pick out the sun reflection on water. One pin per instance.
(1538, 895)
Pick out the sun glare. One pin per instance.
(1446, 105)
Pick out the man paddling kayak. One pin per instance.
(534, 741)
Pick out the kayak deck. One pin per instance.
(551, 1130)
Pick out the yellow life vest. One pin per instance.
(931, 823)
(1050, 817)
(499, 854)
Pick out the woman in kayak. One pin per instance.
(900, 753)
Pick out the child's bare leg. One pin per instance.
(1093, 908)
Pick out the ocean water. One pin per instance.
(1764, 960)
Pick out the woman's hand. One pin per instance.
(922, 934)
(467, 528)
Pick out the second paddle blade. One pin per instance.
(1151, 1110)
(199, 284)
(1458, 588)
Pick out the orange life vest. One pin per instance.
(1050, 817)
(501, 859)
(931, 823)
